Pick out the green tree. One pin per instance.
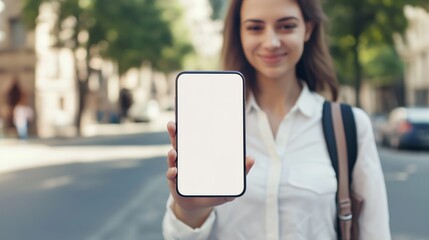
(363, 26)
(219, 8)
(382, 64)
(173, 56)
(128, 32)
(132, 31)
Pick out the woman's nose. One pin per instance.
(271, 39)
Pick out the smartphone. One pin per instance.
(210, 134)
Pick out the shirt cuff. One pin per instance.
(174, 229)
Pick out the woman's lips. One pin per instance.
(272, 58)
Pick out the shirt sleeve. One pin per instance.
(368, 183)
(174, 229)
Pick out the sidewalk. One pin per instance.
(105, 129)
(17, 155)
(158, 125)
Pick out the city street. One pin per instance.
(407, 179)
(105, 187)
(113, 187)
(87, 88)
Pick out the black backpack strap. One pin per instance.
(351, 139)
(350, 131)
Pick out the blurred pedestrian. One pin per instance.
(280, 48)
(22, 115)
(12, 98)
(125, 102)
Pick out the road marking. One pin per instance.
(123, 225)
(401, 176)
(406, 237)
(396, 176)
(56, 182)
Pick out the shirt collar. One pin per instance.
(305, 103)
(251, 104)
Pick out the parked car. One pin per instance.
(144, 111)
(407, 128)
(379, 122)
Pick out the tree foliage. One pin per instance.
(134, 31)
(173, 56)
(128, 32)
(361, 27)
(219, 8)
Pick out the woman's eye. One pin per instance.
(288, 26)
(254, 28)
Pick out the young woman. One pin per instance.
(279, 47)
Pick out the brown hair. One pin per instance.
(315, 66)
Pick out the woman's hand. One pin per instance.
(191, 210)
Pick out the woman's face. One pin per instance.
(273, 33)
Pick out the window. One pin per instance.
(18, 33)
(421, 97)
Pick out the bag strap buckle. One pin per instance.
(344, 211)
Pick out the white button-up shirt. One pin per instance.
(291, 189)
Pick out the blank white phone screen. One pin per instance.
(210, 134)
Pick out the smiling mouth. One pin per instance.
(272, 59)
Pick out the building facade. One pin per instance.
(47, 76)
(413, 48)
(56, 90)
(17, 64)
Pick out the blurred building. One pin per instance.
(48, 75)
(17, 63)
(56, 96)
(206, 33)
(147, 89)
(153, 91)
(413, 48)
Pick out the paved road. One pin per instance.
(119, 198)
(407, 181)
(111, 192)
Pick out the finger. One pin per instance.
(229, 199)
(250, 161)
(171, 128)
(171, 158)
(171, 174)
